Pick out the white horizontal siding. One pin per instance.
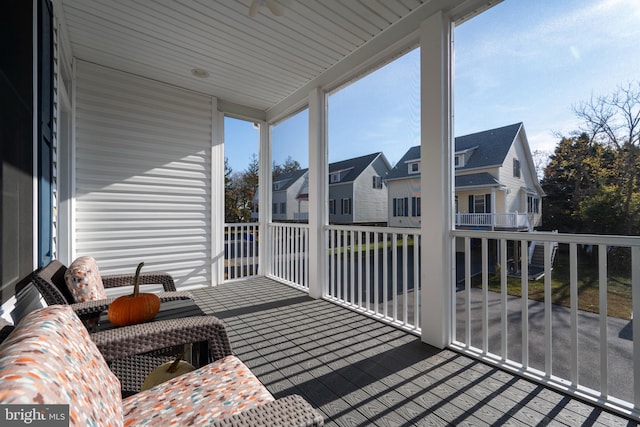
(143, 175)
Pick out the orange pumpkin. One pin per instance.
(138, 307)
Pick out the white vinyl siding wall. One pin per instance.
(143, 175)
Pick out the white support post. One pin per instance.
(217, 194)
(437, 275)
(264, 200)
(318, 190)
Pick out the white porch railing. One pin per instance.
(584, 352)
(492, 220)
(376, 271)
(240, 250)
(289, 249)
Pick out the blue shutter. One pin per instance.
(45, 132)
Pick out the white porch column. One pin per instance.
(436, 180)
(318, 184)
(493, 208)
(217, 194)
(264, 200)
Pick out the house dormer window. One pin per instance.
(461, 157)
(414, 167)
(334, 177)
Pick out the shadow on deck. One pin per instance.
(360, 372)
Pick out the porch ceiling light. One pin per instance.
(199, 72)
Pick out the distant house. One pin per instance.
(496, 186)
(286, 201)
(357, 193)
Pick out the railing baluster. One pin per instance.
(367, 294)
(524, 267)
(352, 263)
(485, 295)
(573, 302)
(405, 278)
(385, 274)
(394, 277)
(360, 267)
(504, 316)
(548, 311)
(416, 280)
(376, 266)
(635, 296)
(467, 290)
(604, 349)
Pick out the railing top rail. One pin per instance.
(288, 224)
(240, 224)
(372, 229)
(541, 236)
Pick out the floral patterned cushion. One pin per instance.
(216, 391)
(50, 359)
(84, 281)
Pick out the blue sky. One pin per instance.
(521, 61)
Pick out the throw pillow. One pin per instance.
(84, 281)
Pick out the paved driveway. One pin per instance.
(619, 340)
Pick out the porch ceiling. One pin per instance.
(255, 62)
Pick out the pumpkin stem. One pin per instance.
(136, 280)
(174, 366)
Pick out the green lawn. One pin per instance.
(618, 287)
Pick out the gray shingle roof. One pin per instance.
(356, 165)
(287, 179)
(491, 149)
(484, 179)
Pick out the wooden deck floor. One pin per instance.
(360, 372)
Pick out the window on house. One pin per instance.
(334, 177)
(533, 204)
(332, 206)
(480, 203)
(414, 167)
(283, 207)
(516, 168)
(401, 206)
(274, 209)
(346, 206)
(415, 207)
(377, 182)
(457, 161)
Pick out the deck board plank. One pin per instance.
(360, 372)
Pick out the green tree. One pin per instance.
(577, 170)
(240, 190)
(289, 165)
(230, 201)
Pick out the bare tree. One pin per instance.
(615, 120)
(541, 159)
